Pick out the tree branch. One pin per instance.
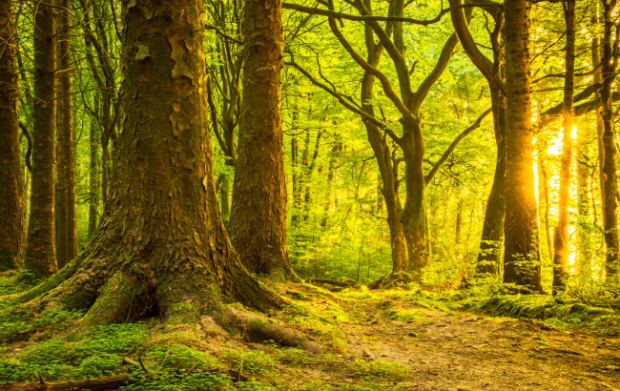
(453, 146)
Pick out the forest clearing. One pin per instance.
(295, 195)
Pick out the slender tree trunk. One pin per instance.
(68, 154)
(40, 258)
(493, 226)
(12, 203)
(560, 235)
(600, 126)
(543, 195)
(258, 217)
(414, 212)
(105, 172)
(93, 177)
(387, 170)
(330, 179)
(609, 135)
(225, 198)
(521, 254)
(585, 227)
(60, 199)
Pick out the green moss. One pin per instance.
(8, 260)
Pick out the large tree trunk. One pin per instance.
(161, 246)
(560, 235)
(609, 145)
(258, 216)
(521, 254)
(12, 205)
(68, 151)
(40, 256)
(493, 226)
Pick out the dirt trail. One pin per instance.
(461, 351)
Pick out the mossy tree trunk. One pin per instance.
(161, 244)
(521, 253)
(12, 204)
(258, 217)
(40, 256)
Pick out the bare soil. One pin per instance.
(464, 351)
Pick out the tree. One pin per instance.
(93, 173)
(258, 217)
(493, 226)
(521, 255)
(560, 235)
(608, 169)
(12, 206)
(161, 244)
(408, 223)
(66, 158)
(40, 256)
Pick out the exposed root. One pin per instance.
(256, 328)
(401, 280)
(100, 383)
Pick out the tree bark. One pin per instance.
(560, 235)
(493, 226)
(161, 248)
(12, 203)
(609, 145)
(40, 258)
(68, 155)
(258, 216)
(521, 253)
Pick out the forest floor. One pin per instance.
(384, 340)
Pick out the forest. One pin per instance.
(368, 195)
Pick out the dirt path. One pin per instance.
(460, 351)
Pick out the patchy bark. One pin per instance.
(521, 253)
(40, 256)
(258, 217)
(161, 247)
(12, 204)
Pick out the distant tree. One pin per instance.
(40, 256)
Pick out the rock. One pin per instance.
(472, 319)
(367, 355)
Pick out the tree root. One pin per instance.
(260, 329)
(395, 280)
(99, 383)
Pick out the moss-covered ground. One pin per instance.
(372, 340)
